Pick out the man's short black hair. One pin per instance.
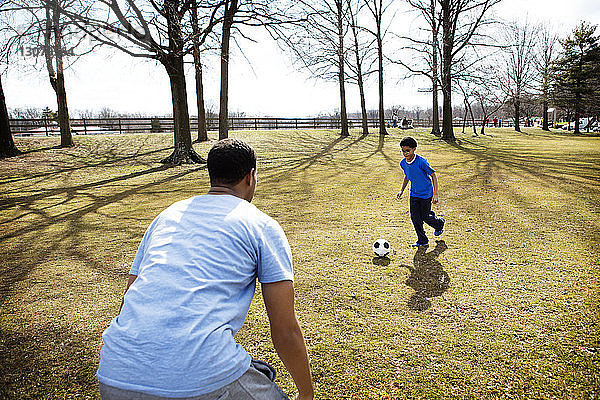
(409, 141)
(229, 161)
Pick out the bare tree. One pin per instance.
(45, 23)
(55, 65)
(488, 93)
(362, 52)
(158, 31)
(519, 41)
(467, 89)
(546, 54)
(196, 34)
(273, 16)
(231, 7)
(7, 145)
(422, 58)
(319, 46)
(460, 25)
(377, 9)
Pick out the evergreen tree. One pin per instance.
(576, 73)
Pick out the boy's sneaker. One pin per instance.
(417, 244)
(438, 233)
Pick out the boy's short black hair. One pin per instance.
(229, 161)
(409, 141)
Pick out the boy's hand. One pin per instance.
(434, 199)
(399, 195)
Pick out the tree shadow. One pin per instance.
(110, 159)
(24, 152)
(427, 277)
(12, 271)
(47, 362)
(305, 152)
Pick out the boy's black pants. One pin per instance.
(420, 211)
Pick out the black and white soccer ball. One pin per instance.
(381, 247)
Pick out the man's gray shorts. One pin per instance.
(256, 384)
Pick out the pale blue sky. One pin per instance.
(272, 86)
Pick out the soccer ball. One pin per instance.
(381, 247)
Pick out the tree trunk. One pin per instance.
(545, 116)
(517, 114)
(464, 125)
(230, 10)
(54, 54)
(382, 130)
(202, 131)
(447, 45)
(343, 113)
(447, 129)
(363, 105)
(361, 88)
(473, 119)
(183, 152)
(435, 129)
(7, 146)
(485, 116)
(341, 74)
(66, 139)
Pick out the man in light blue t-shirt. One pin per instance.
(190, 287)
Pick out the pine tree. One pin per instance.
(576, 73)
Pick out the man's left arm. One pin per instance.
(287, 336)
(434, 199)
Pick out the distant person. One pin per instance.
(423, 191)
(190, 287)
(404, 122)
(495, 122)
(395, 121)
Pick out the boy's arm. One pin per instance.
(287, 336)
(434, 199)
(399, 195)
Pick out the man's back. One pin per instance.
(197, 267)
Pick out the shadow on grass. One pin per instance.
(551, 168)
(14, 272)
(381, 261)
(111, 158)
(310, 151)
(48, 363)
(427, 277)
(582, 134)
(23, 152)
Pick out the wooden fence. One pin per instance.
(93, 126)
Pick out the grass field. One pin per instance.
(506, 306)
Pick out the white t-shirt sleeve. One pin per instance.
(141, 251)
(275, 255)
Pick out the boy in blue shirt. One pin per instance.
(423, 191)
